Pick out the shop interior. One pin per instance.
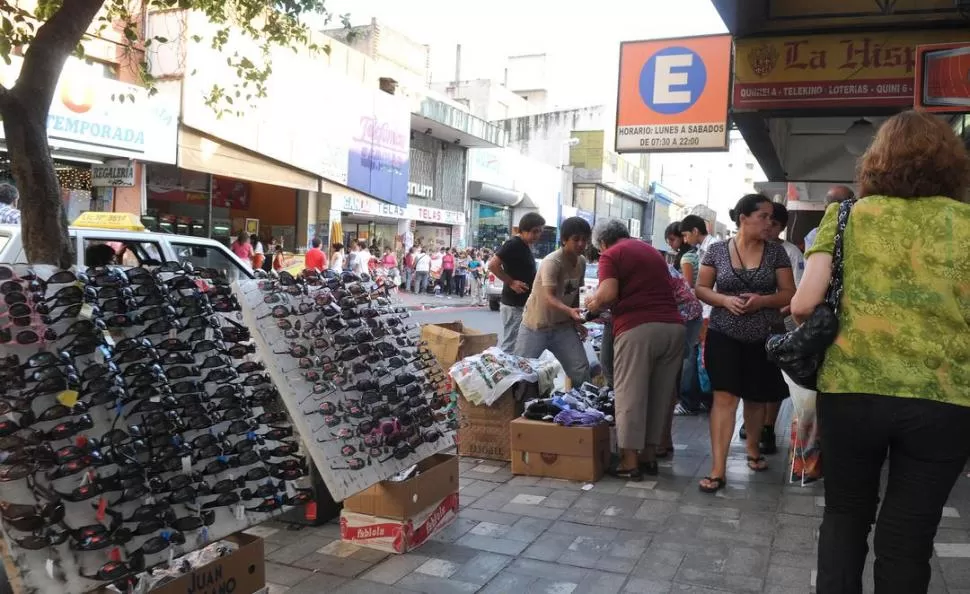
(74, 176)
(194, 203)
(376, 231)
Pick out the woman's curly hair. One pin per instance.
(914, 154)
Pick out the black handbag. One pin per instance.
(800, 353)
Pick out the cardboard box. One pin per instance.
(395, 535)
(403, 500)
(452, 341)
(242, 572)
(551, 450)
(483, 431)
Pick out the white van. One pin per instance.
(142, 247)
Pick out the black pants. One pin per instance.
(446, 281)
(460, 285)
(927, 444)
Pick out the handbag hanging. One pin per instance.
(800, 353)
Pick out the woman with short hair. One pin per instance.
(896, 382)
(648, 344)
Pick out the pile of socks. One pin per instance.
(580, 407)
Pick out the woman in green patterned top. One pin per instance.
(896, 382)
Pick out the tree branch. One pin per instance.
(49, 50)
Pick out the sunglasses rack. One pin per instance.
(138, 424)
(368, 399)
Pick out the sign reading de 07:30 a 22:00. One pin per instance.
(673, 95)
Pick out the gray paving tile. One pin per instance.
(480, 515)
(548, 547)
(535, 511)
(601, 582)
(507, 582)
(451, 552)
(476, 488)
(297, 550)
(492, 544)
(551, 571)
(799, 505)
(528, 529)
(548, 586)
(482, 568)
(285, 575)
(574, 529)
(657, 563)
(344, 567)
(722, 581)
(455, 530)
(798, 560)
(795, 539)
(362, 587)
(316, 583)
(394, 568)
(638, 585)
(435, 585)
(788, 576)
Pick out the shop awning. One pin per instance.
(496, 194)
(208, 155)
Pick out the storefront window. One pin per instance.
(491, 225)
(584, 199)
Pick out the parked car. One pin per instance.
(493, 289)
(141, 247)
(591, 280)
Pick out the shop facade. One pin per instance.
(503, 186)
(101, 133)
(384, 225)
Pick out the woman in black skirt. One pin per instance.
(754, 282)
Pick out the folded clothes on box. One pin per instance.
(584, 406)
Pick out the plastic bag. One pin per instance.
(483, 378)
(703, 380)
(806, 448)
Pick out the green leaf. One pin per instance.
(131, 34)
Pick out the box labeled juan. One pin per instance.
(241, 572)
(553, 451)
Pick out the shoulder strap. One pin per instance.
(834, 295)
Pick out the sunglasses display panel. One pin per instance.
(367, 397)
(138, 423)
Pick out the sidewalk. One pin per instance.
(529, 535)
(427, 301)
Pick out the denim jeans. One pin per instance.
(408, 274)
(511, 320)
(420, 282)
(927, 444)
(561, 341)
(688, 373)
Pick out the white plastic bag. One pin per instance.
(806, 455)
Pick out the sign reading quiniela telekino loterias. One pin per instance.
(673, 95)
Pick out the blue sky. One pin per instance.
(581, 38)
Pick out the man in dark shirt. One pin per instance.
(515, 265)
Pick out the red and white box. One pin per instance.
(398, 535)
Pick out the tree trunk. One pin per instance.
(41, 208)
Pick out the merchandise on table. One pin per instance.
(137, 426)
(367, 397)
(585, 406)
(482, 379)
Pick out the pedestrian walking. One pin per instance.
(896, 382)
(754, 282)
(515, 266)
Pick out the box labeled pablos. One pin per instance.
(437, 478)
(395, 535)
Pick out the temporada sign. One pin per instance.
(106, 117)
(824, 71)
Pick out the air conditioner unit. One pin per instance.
(633, 225)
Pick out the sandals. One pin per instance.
(631, 474)
(717, 483)
(755, 463)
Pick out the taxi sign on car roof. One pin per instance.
(120, 221)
